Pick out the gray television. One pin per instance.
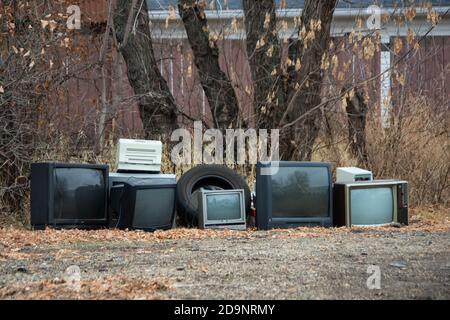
(371, 203)
(221, 209)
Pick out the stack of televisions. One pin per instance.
(137, 196)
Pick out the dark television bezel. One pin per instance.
(50, 219)
(128, 204)
(264, 218)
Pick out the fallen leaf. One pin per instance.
(44, 24)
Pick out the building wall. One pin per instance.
(78, 104)
(426, 71)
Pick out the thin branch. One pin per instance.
(106, 35)
(344, 92)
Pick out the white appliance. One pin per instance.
(139, 155)
(352, 174)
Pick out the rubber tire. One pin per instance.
(214, 175)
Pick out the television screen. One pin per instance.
(154, 207)
(79, 193)
(371, 206)
(223, 206)
(300, 192)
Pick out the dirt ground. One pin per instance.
(305, 263)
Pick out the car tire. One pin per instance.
(213, 177)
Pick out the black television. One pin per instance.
(291, 194)
(119, 178)
(143, 205)
(69, 195)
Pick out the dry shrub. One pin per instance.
(34, 65)
(415, 147)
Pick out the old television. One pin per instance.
(291, 194)
(138, 204)
(371, 203)
(119, 178)
(222, 209)
(69, 195)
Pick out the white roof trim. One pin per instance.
(290, 13)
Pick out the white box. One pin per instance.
(352, 174)
(139, 155)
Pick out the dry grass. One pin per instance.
(104, 288)
(416, 148)
(12, 239)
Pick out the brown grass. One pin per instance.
(416, 148)
(12, 239)
(116, 287)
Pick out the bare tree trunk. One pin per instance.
(104, 111)
(218, 89)
(298, 137)
(264, 54)
(156, 104)
(356, 113)
(102, 59)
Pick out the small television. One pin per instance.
(69, 195)
(371, 203)
(142, 205)
(222, 209)
(291, 194)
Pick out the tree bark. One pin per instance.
(264, 54)
(297, 140)
(156, 104)
(218, 89)
(356, 112)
